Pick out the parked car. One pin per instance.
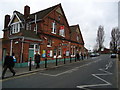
(97, 54)
(92, 55)
(113, 55)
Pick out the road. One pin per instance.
(97, 72)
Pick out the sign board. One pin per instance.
(43, 53)
(67, 53)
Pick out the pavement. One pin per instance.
(25, 70)
(98, 72)
(119, 74)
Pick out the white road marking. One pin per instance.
(106, 83)
(109, 65)
(71, 70)
(15, 77)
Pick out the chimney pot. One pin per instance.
(26, 11)
(7, 20)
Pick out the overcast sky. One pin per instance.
(89, 14)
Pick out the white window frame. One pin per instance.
(77, 38)
(34, 48)
(50, 41)
(54, 27)
(15, 27)
(59, 54)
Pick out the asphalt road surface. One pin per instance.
(97, 72)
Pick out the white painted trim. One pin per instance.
(22, 50)
(25, 38)
(14, 14)
(53, 32)
(106, 83)
(11, 45)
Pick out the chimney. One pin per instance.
(26, 11)
(7, 20)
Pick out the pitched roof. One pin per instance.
(26, 33)
(74, 32)
(73, 28)
(41, 14)
(20, 15)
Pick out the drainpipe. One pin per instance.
(11, 47)
(36, 22)
(22, 51)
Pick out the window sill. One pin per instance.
(53, 33)
(49, 46)
(72, 55)
(59, 56)
(54, 56)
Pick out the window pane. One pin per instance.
(55, 52)
(31, 46)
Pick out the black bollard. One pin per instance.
(56, 61)
(75, 58)
(70, 58)
(46, 63)
(64, 59)
(30, 64)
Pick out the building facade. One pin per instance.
(46, 32)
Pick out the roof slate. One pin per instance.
(41, 14)
(20, 15)
(27, 33)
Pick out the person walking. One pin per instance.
(37, 60)
(8, 63)
(77, 56)
(82, 56)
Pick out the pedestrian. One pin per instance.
(14, 59)
(37, 60)
(8, 63)
(77, 56)
(81, 56)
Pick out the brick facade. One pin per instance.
(36, 33)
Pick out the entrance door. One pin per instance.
(31, 54)
(32, 49)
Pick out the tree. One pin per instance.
(115, 39)
(100, 37)
(95, 48)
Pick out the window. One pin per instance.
(49, 44)
(73, 50)
(31, 46)
(59, 51)
(54, 27)
(35, 28)
(34, 47)
(15, 28)
(77, 38)
(62, 31)
(59, 17)
(55, 52)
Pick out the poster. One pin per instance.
(67, 53)
(51, 54)
(48, 53)
(44, 53)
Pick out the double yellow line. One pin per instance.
(15, 77)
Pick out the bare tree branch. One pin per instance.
(115, 39)
(100, 37)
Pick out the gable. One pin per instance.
(59, 11)
(77, 30)
(15, 19)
